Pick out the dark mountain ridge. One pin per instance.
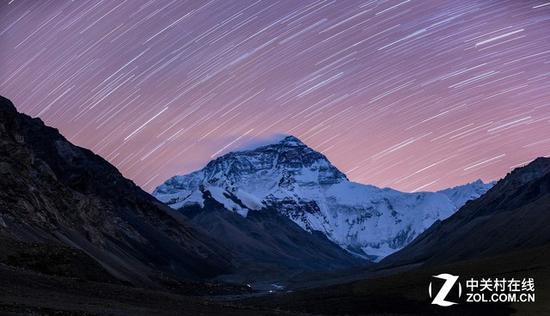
(54, 192)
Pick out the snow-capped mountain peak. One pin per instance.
(301, 184)
(287, 163)
(289, 157)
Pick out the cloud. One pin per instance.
(255, 142)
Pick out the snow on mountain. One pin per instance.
(304, 186)
(461, 194)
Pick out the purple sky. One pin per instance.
(415, 95)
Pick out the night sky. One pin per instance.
(415, 95)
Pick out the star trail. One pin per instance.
(415, 95)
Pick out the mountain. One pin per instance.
(302, 185)
(514, 215)
(65, 209)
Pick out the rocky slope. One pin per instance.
(55, 193)
(302, 185)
